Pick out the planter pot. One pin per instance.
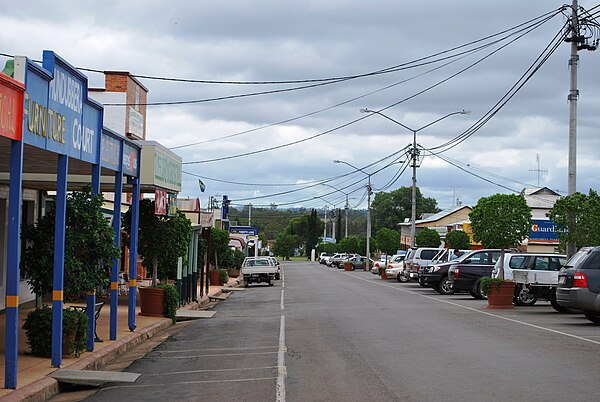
(348, 266)
(384, 275)
(215, 278)
(364, 266)
(502, 296)
(152, 302)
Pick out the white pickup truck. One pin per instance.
(537, 277)
(259, 269)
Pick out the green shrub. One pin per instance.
(171, 300)
(38, 328)
(486, 283)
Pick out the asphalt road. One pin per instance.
(322, 334)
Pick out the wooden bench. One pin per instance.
(97, 309)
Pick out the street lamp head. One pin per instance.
(337, 161)
(366, 110)
(465, 112)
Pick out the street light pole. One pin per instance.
(333, 216)
(414, 156)
(346, 206)
(368, 205)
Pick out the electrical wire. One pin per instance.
(529, 73)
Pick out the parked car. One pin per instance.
(394, 262)
(442, 257)
(323, 257)
(357, 262)
(276, 263)
(466, 274)
(436, 276)
(336, 256)
(537, 275)
(416, 258)
(579, 283)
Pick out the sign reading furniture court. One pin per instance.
(57, 115)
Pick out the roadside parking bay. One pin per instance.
(540, 316)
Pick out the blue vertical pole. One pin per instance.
(59, 259)
(133, 246)
(12, 274)
(90, 299)
(114, 276)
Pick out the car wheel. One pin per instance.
(401, 278)
(523, 297)
(593, 316)
(444, 287)
(422, 283)
(245, 284)
(277, 277)
(476, 292)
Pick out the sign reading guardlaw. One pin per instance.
(57, 115)
(11, 107)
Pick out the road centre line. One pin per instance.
(211, 371)
(480, 311)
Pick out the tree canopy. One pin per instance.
(501, 220)
(387, 240)
(458, 239)
(89, 247)
(161, 239)
(285, 245)
(578, 216)
(427, 238)
(391, 208)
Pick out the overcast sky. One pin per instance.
(305, 40)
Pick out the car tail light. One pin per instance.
(580, 280)
(404, 265)
(390, 266)
(417, 267)
(456, 272)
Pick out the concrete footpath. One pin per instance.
(33, 383)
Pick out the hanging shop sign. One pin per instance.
(160, 202)
(11, 107)
(162, 167)
(131, 160)
(110, 150)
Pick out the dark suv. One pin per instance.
(579, 283)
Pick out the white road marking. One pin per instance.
(213, 355)
(211, 371)
(483, 312)
(189, 382)
(281, 369)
